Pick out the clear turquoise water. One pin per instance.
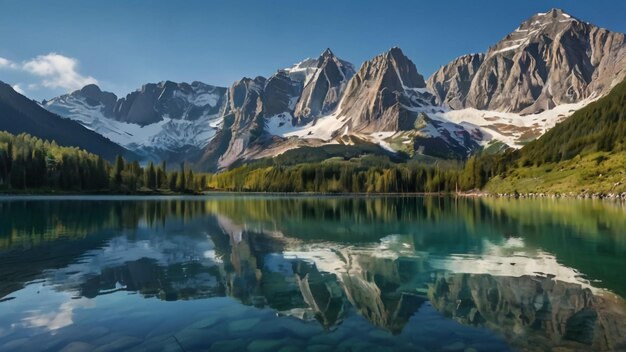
(260, 273)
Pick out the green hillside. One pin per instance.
(585, 153)
(600, 126)
(596, 172)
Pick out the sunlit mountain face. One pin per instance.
(265, 273)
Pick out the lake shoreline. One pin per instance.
(595, 195)
(468, 194)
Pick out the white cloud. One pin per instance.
(57, 71)
(6, 63)
(18, 89)
(50, 74)
(57, 319)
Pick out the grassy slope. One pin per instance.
(595, 172)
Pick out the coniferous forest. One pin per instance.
(29, 163)
(369, 174)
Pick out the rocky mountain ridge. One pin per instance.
(550, 66)
(323, 89)
(551, 59)
(386, 98)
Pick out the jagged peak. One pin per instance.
(326, 57)
(387, 55)
(396, 55)
(395, 52)
(555, 12)
(91, 88)
(316, 62)
(327, 53)
(252, 82)
(539, 26)
(394, 59)
(554, 15)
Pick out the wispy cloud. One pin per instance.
(6, 63)
(57, 71)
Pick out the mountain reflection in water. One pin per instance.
(483, 274)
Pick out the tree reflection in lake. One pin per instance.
(416, 267)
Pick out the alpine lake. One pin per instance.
(229, 272)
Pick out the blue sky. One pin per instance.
(52, 47)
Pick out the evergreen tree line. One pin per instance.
(131, 176)
(28, 163)
(354, 176)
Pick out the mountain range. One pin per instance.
(550, 66)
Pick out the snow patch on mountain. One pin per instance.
(280, 124)
(380, 139)
(328, 128)
(168, 134)
(324, 128)
(512, 129)
(304, 70)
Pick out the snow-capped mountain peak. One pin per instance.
(537, 75)
(157, 121)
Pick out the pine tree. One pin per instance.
(162, 175)
(151, 176)
(119, 168)
(173, 180)
(190, 181)
(182, 183)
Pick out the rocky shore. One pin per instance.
(583, 195)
